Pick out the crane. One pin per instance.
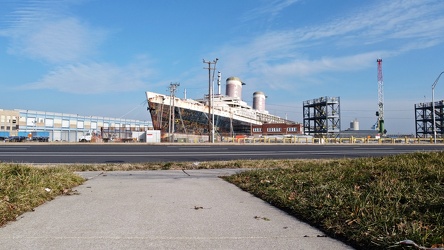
(380, 113)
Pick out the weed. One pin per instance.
(23, 188)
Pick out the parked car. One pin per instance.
(40, 139)
(17, 138)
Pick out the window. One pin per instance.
(257, 129)
(49, 122)
(273, 129)
(80, 124)
(30, 121)
(65, 123)
(292, 129)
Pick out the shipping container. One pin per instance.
(152, 136)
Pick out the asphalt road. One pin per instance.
(136, 153)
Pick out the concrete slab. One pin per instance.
(161, 210)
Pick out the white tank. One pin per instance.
(234, 87)
(259, 101)
(354, 125)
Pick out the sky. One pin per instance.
(98, 57)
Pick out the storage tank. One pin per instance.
(259, 101)
(234, 87)
(354, 125)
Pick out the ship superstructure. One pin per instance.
(231, 116)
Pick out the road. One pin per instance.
(136, 153)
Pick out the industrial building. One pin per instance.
(66, 127)
(268, 129)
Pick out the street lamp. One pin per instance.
(433, 106)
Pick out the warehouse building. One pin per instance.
(66, 127)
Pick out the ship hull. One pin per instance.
(175, 117)
(192, 122)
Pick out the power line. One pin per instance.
(145, 101)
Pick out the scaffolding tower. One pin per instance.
(424, 119)
(322, 117)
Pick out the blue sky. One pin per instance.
(97, 57)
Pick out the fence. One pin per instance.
(349, 140)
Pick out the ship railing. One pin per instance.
(245, 114)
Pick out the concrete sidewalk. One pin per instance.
(160, 210)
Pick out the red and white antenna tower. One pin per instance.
(380, 112)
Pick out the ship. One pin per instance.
(214, 117)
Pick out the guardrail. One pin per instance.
(348, 140)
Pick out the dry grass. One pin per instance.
(245, 164)
(371, 203)
(22, 188)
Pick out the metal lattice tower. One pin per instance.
(322, 117)
(380, 112)
(429, 116)
(424, 119)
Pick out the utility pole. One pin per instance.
(173, 88)
(433, 107)
(210, 99)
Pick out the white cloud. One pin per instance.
(41, 30)
(94, 78)
(397, 20)
(313, 67)
(64, 40)
(350, 43)
(270, 7)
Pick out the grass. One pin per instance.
(370, 203)
(247, 164)
(22, 188)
